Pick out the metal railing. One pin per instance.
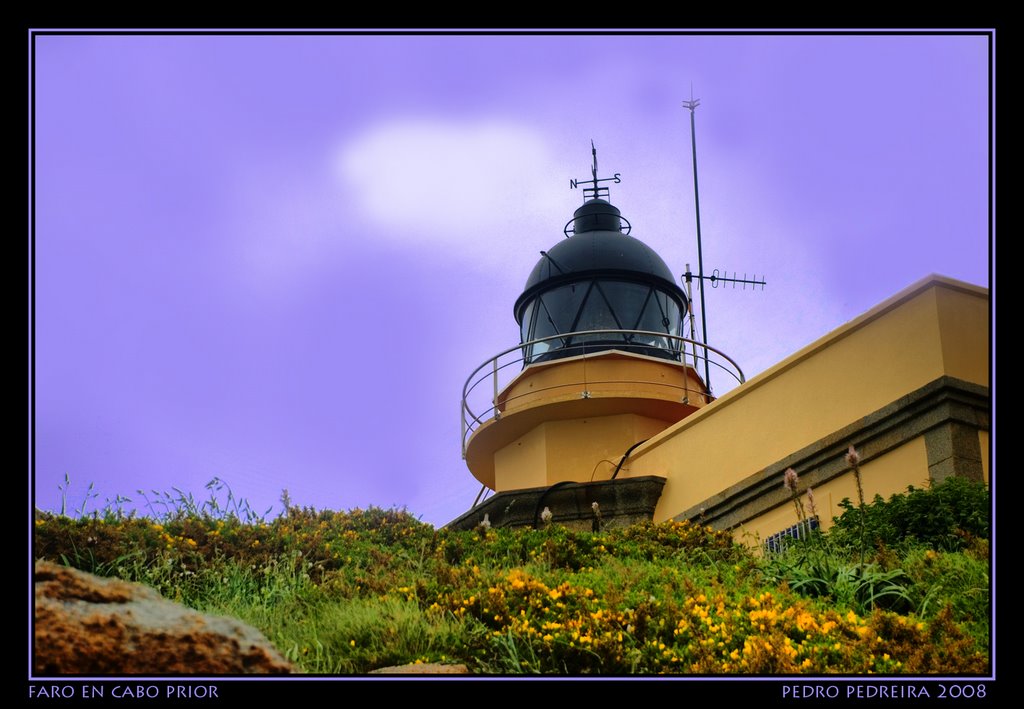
(495, 371)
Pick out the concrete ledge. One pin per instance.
(943, 411)
(622, 502)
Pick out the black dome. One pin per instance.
(602, 252)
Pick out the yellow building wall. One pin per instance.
(892, 350)
(590, 448)
(576, 449)
(962, 320)
(522, 463)
(983, 440)
(885, 475)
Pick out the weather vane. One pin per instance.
(596, 191)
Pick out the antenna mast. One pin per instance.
(692, 105)
(715, 278)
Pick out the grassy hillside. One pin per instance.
(348, 592)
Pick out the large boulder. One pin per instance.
(85, 624)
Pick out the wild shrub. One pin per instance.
(348, 592)
(948, 516)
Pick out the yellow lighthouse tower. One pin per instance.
(602, 365)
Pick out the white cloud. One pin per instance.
(445, 182)
(483, 189)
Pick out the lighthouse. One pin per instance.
(602, 365)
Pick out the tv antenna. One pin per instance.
(714, 278)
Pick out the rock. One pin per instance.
(424, 668)
(85, 624)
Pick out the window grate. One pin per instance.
(780, 540)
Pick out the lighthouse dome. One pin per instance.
(599, 279)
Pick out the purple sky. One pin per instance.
(276, 259)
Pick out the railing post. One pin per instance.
(497, 414)
(462, 422)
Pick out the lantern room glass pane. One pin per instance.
(527, 334)
(601, 305)
(595, 314)
(563, 304)
(627, 300)
(660, 315)
(528, 317)
(543, 326)
(545, 323)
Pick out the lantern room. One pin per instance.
(600, 289)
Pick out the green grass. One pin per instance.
(349, 592)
